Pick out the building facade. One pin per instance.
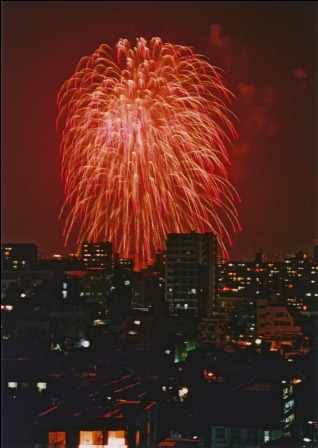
(191, 273)
(276, 323)
(97, 255)
(18, 256)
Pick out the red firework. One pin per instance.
(144, 148)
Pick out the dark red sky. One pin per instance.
(268, 51)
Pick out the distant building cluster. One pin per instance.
(147, 345)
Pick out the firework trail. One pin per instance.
(144, 148)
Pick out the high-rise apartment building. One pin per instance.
(191, 273)
(97, 255)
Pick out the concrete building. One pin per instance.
(97, 255)
(213, 331)
(259, 412)
(276, 323)
(139, 329)
(191, 273)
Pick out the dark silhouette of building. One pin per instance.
(191, 273)
(18, 256)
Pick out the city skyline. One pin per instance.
(268, 55)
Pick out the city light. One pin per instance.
(135, 313)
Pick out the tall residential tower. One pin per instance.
(191, 273)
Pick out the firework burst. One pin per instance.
(144, 148)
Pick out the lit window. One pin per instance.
(116, 438)
(7, 307)
(183, 393)
(285, 392)
(288, 406)
(288, 420)
(57, 438)
(137, 438)
(90, 438)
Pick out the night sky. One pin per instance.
(268, 52)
